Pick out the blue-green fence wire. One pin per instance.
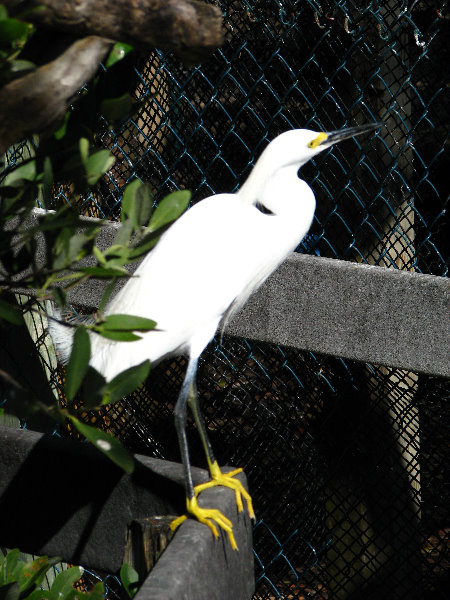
(346, 462)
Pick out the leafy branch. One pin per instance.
(50, 251)
(20, 580)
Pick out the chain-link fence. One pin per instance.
(347, 462)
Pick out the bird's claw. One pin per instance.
(209, 517)
(228, 480)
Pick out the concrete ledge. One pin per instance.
(359, 312)
(63, 498)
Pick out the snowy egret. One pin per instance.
(204, 268)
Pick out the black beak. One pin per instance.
(342, 134)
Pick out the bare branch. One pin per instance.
(37, 101)
(191, 28)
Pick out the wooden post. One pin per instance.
(146, 541)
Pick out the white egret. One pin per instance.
(205, 267)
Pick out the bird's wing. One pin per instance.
(206, 259)
(212, 258)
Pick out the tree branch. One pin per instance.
(37, 101)
(191, 28)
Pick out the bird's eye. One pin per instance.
(317, 140)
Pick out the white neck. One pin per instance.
(279, 190)
(260, 176)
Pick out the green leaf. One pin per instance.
(118, 256)
(96, 593)
(118, 52)
(121, 327)
(59, 296)
(98, 254)
(93, 386)
(62, 586)
(146, 243)
(83, 146)
(97, 165)
(62, 130)
(8, 191)
(126, 382)
(10, 313)
(21, 401)
(13, 32)
(143, 204)
(119, 322)
(17, 199)
(9, 420)
(124, 233)
(102, 272)
(117, 109)
(19, 579)
(85, 169)
(107, 294)
(78, 362)
(129, 578)
(71, 246)
(169, 209)
(65, 217)
(8, 566)
(128, 199)
(107, 444)
(137, 203)
(39, 595)
(26, 170)
(117, 336)
(19, 66)
(32, 574)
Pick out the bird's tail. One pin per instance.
(61, 334)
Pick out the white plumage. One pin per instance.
(210, 260)
(206, 266)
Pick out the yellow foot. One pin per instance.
(227, 480)
(208, 516)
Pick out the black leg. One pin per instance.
(209, 516)
(180, 413)
(194, 405)
(217, 477)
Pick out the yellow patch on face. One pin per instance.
(318, 140)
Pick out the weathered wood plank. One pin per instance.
(64, 498)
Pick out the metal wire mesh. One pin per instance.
(347, 463)
(318, 65)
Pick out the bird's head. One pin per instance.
(291, 150)
(297, 146)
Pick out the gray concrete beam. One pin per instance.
(359, 312)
